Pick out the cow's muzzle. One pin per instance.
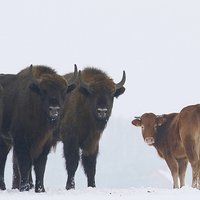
(54, 112)
(149, 140)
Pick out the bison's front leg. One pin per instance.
(39, 167)
(16, 175)
(89, 164)
(24, 163)
(71, 153)
(4, 150)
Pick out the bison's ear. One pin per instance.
(85, 91)
(119, 91)
(161, 120)
(69, 89)
(136, 122)
(35, 87)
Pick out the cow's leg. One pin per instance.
(182, 163)
(173, 166)
(190, 148)
(89, 164)
(4, 150)
(39, 167)
(71, 153)
(24, 163)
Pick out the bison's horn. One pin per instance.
(83, 84)
(121, 83)
(73, 78)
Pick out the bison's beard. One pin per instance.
(101, 124)
(53, 121)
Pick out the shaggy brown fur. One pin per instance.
(1, 104)
(163, 133)
(81, 124)
(39, 98)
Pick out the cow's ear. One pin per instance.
(136, 122)
(35, 87)
(119, 91)
(161, 120)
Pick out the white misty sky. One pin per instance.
(157, 42)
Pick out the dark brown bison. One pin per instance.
(162, 132)
(85, 116)
(1, 103)
(9, 83)
(38, 100)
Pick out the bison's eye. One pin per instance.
(142, 126)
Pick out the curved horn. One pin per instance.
(74, 77)
(121, 83)
(83, 84)
(31, 70)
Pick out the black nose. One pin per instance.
(54, 112)
(102, 113)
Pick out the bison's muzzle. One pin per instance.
(102, 113)
(54, 112)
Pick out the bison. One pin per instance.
(163, 133)
(1, 104)
(39, 95)
(86, 113)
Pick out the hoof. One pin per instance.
(2, 186)
(24, 188)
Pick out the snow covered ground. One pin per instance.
(105, 194)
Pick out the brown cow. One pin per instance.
(162, 132)
(39, 98)
(86, 114)
(190, 135)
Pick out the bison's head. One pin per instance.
(52, 90)
(100, 92)
(149, 123)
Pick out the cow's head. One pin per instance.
(100, 92)
(149, 123)
(52, 90)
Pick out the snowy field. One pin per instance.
(105, 194)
